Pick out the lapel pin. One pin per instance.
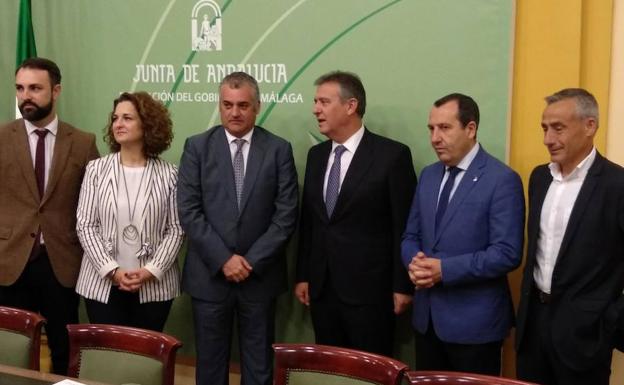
(475, 179)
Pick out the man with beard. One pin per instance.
(42, 162)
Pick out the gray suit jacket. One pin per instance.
(215, 228)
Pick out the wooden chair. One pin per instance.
(20, 333)
(120, 355)
(308, 364)
(457, 378)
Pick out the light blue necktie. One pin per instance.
(333, 181)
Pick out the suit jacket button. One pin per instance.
(41, 210)
(32, 235)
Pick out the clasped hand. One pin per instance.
(236, 269)
(131, 280)
(424, 272)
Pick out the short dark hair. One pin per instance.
(237, 79)
(350, 87)
(467, 108)
(586, 104)
(155, 121)
(40, 63)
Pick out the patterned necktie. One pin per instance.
(444, 196)
(333, 181)
(40, 161)
(239, 169)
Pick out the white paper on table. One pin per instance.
(68, 382)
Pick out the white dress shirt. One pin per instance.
(554, 218)
(351, 145)
(462, 166)
(233, 147)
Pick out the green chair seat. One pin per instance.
(20, 337)
(14, 349)
(306, 377)
(119, 355)
(118, 367)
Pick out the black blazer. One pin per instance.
(587, 303)
(358, 248)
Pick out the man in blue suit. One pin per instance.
(464, 234)
(237, 200)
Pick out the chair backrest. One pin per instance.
(20, 333)
(121, 355)
(308, 364)
(457, 378)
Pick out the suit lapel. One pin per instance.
(536, 202)
(430, 190)
(317, 178)
(111, 183)
(255, 159)
(149, 179)
(468, 182)
(360, 164)
(224, 164)
(62, 148)
(23, 156)
(581, 203)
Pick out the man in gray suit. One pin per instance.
(237, 200)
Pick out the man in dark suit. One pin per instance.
(42, 163)
(571, 305)
(356, 195)
(237, 200)
(464, 234)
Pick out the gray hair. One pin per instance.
(350, 87)
(586, 104)
(237, 79)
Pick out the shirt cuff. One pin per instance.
(156, 272)
(107, 268)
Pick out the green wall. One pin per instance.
(408, 53)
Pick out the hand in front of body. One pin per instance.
(302, 292)
(424, 272)
(401, 302)
(131, 280)
(236, 269)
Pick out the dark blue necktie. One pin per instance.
(333, 181)
(444, 196)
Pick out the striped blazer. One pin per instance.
(161, 233)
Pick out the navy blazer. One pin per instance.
(216, 230)
(479, 242)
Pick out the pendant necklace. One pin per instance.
(130, 233)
